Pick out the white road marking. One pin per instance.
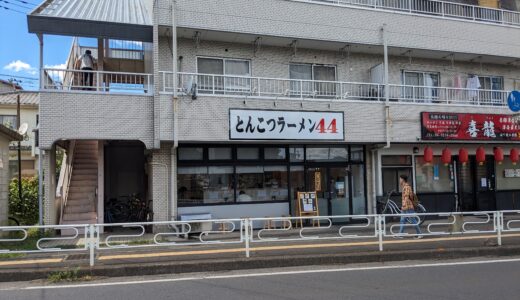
(261, 274)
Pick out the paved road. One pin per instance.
(489, 279)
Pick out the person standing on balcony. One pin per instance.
(87, 63)
(407, 206)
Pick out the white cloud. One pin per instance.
(60, 66)
(19, 66)
(55, 74)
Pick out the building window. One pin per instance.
(191, 153)
(248, 153)
(332, 154)
(216, 83)
(9, 121)
(305, 77)
(495, 83)
(239, 174)
(261, 183)
(205, 185)
(434, 177)
(393, 166)
(274, 153)
(421, 85)
(490, 86)
(223, 153)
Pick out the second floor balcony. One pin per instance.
(196, 85)
(97, 81)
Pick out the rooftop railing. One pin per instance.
(276, 88)
(434, 8)
(97, 81)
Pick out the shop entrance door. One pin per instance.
(476, 185)
(485, 176)
(333, 190)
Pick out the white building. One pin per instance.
(225, 98)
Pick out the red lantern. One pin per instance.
(463, 156)
(481, 155)
(428, 155)
(499, 155)
(514, 155)
(446, 156)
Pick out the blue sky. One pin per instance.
(19, 49)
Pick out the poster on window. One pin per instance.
(468, 127)
(245, 124)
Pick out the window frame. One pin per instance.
(224, 60)
(396, 168)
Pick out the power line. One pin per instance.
(14, 10)
(18, 5)
(22, 77)
(25, 2)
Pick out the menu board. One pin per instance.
(307, 202)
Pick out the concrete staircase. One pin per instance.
(81, 207)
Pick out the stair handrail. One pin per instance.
(65, 177)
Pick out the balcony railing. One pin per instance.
(97, 81)
(434, 8)
(276, 88)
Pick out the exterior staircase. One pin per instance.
(81, 202)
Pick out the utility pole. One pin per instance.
(18, 123)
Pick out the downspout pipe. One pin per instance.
(387, 87)
(173, 160)
(388, 121)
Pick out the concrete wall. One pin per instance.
(95, 116)
(279, 18)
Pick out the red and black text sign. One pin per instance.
(468, 127)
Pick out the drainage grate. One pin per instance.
(77, 257)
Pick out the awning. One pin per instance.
(113, 19)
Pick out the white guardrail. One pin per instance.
(185, 235)
(279, 88)
(443, 9)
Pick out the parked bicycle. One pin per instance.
(391, 208)
(128, 209)
(13, 221)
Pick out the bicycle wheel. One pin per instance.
(421, 210)
(13, 222)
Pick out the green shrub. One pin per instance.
(25, 210)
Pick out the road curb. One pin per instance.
(159, 268)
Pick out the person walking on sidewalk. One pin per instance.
(407, 206)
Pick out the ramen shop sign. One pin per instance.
(245, 124)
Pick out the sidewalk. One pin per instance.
(218, 257)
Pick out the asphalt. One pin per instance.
(462, 279)
(201, 258)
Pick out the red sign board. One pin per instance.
(469, 127)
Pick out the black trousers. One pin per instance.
(88, 77)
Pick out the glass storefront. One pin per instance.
(220, 175)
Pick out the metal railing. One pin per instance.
(434, 8)
(98, 81)
(185, 235)
(278, 88)
(62, 189)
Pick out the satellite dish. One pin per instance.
(23, 129)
